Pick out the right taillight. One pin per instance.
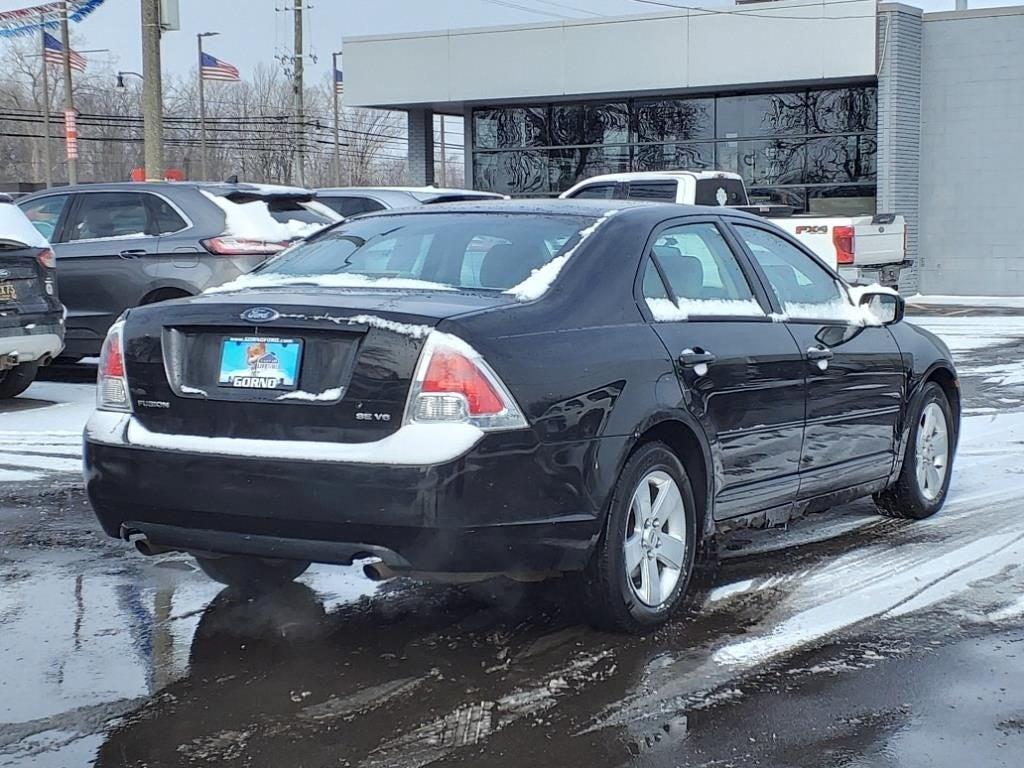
(46, 259)
(111, 381)
(453, 384)
(240, 246)
(842, 239)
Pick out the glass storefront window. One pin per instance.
(512, 173)
(508, 127)
(568, 166)
(844, 110)
(841, 159)
(854, 200)
(589, 124)
(776, 161)
(666, 157)
(770, 114)
(675, 120)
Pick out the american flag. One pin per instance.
(215, 69)
(53, 53)
(339, 82)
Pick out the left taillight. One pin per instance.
(111, 381)
(453, 384)
(842, 239)
(46, 259)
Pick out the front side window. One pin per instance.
(804, 288)
(44, 213)
(109, 214)
(693, 272)
(478, 251)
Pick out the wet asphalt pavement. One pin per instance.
(848, 640)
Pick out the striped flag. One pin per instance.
(215, 69)
(53, 53)
(339, 82)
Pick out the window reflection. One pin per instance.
(664, 157)
(675, 119)
(590, 124)
(770, 114)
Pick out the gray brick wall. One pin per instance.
(899, 124)
(421, 147)
(972, 163)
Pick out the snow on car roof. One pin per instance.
(15, 227)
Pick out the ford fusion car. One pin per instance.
(528, 388)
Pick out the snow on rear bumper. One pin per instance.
(412, 445)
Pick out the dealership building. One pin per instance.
(829, 106)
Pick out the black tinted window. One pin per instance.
(597, 192)
(287, 209)
(488, 251)
(351, 206)
(662, 191)
(720, 192)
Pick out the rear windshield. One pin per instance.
(720, 192)
(466, 250)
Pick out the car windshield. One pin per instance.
(484, 251)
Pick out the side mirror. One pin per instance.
(886, 306)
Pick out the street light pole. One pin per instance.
(337, 128)
(203, 172)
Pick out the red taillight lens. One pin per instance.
(842, 239)
(240, 246)
(452, 373)
(111, 358)
(47, 259)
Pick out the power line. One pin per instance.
(760, 14)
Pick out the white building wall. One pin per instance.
(972, 163)
(788, 40)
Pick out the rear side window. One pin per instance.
(720, 192)
(286, 209)
(479, 251)
(108, 214)
(351, 206)
(698, 268)
(166, 220)
(44, 213)
(660, 191)
(596, 192)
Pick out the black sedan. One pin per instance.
(533, 388)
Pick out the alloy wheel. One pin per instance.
(932, 451)
(655, 542)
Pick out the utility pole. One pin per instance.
(47, 159)
(444, 160)
(69, 96)
(203, 172)
(299, 110)
(152, 91)
(337, 120)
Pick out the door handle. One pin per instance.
(691, 358)
(820, 355)
(132, 253)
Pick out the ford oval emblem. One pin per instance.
(5, 273)
(260, 315)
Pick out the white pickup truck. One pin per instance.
(862, 248)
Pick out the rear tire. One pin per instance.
(251, 574)
(17, 380)
(640, 572)
(923, 483)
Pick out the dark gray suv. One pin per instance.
(126, 244)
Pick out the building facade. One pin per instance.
(830, 106)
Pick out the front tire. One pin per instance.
(252, 575)
(923, 483)
(17, 380)
(640, 572)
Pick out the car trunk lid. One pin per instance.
(341, 363)
(23, 286)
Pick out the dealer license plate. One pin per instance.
(8, 292)
(257, 362)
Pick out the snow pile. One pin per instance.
(253, 221)
(322, 397)
(412, 445)
(665, 311)
(537, 284)
(15, 227)
(277, 280)
(967, 301)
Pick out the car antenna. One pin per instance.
(232, 179)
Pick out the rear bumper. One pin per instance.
(31, 341)
(883, 274)
(507, 505)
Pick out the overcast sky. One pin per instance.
(252, 31)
